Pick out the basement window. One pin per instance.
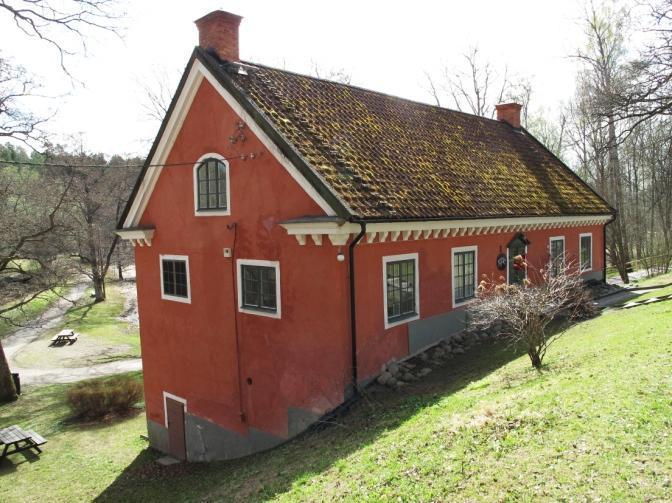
(556, 248)
(586, 251)
(401, 288)
(465, 272)
(175, 278)
(259, 287)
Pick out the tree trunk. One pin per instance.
(7, 389)
(98, 288)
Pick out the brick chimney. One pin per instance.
(218, 31)
(509, 113)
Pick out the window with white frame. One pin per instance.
(556, 248)
(175, 278)
(465, 272)
(211, 186)
(259, 287)
(586, 251)
(400, 273)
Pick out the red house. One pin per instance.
(294, 234)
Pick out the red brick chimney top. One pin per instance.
(218, 31)
(509, 113)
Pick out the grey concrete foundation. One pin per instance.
(430, 331)
(207, 441)
(595, 275)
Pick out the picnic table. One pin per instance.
(64, 336)
(16, 439)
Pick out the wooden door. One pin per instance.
(176, 441)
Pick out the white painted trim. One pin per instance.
(340, 232)
(265, 263)
(165, 406)
(212, 213)
(140, 237)
(583, 235)
(196, 75)
(396, 258)
(164, 147)
(564, 250)
(165, 296)
(458, 249)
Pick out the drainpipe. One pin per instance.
(353, 309)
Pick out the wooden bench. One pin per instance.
(15, 439)
(64, 336)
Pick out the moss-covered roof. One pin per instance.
(391, 158)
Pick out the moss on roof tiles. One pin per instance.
(387, 157)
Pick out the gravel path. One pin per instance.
(52, 318)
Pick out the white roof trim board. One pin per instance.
(379, 232)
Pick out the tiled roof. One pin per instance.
(391, 158)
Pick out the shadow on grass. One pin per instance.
(263, 475)
(79, 313)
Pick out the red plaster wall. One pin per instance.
(189, 350)
(376, 345)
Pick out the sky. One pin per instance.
(385, 46)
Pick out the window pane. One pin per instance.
(464, 272)
(202, 172)
(400, 290)
(175, 278)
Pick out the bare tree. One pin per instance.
(334, 74)
(477, 86)
(602, 77)
(98, 191)
(62, 24)
(527, 311)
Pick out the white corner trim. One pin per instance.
(165, 296)
(165, 406)
(265, 263)
(453, 251)
(196, 75)
(212, 213)
(164, 147)
(583, 235)
(396, 258)
(564, 249)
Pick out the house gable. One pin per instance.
(195, 74)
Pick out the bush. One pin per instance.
(99, 398)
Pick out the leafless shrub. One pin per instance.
(527, 311)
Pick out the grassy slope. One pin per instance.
(103, 336)
(32, 310)
(594, 424)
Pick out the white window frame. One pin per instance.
(212, 213)
(583, 235)
(396, 258)
(165, 405)
(164, 295)
(564, 251)
(278, 301)
(459, 249)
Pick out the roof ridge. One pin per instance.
(368, 90)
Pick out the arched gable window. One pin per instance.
(211, 178)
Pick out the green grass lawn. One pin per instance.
(29, 312)
(103, 336)
(661, 279)
(595, 424)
